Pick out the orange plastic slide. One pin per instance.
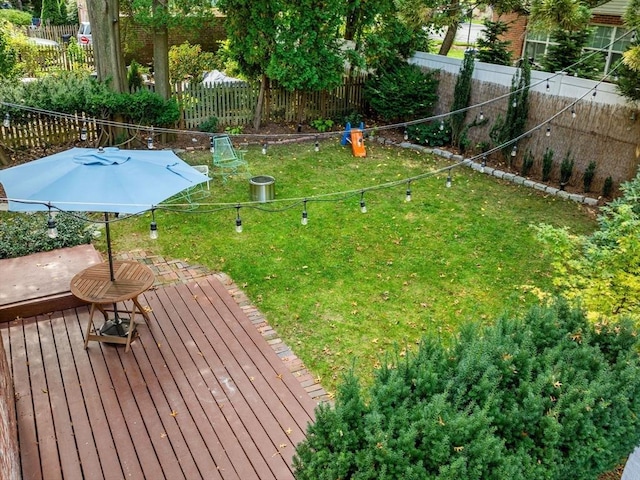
(357, 143)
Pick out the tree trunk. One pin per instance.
(449, 38)
(161, 57)
(257, 117)
(105, 32)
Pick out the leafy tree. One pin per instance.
(602, 271)
(15, 17)
(251, 39)
(461, 97)
(547, 396)
(632, 20)
(568, 54)
(54, 12)
(307, 54)
(513, 124)
(107, 49)
(8, 53)
(491, 49)
(158, 16)
(188, 61)
(571, 15)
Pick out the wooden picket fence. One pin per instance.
(52, 32)
(234, 103)
(36, 130)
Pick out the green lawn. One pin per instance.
(352, 286)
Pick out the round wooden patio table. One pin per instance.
(94, 285)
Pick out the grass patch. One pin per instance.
(355, 286)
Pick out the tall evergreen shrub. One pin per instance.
(547, 396)
(461, 97)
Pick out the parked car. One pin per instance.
(84, 34)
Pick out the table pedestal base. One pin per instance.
(110, 335)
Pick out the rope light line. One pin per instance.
(442, 116)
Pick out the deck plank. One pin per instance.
(201, 395)
(64, 435)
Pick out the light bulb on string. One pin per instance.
(481, 115)
(514, 104)
(264, 148)
(52, 229)
(483, 164)
(363, 205)
(449, 180)
(153, 226)
(514, 150)
(305, 217)
(212, 147)
(548, 131)
(83, 132)
(6, 123)
(407, 198)
(238, 220)
(317, 145)
(150, 139)
(548, 87)
(406, 134)
(573, 112)
(595, 92)
(441, 125)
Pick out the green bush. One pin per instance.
(589, 173)
(607, 188)
(433, 134)
(548, 396)
(210, 125)
(547, 164)
(401, 93)
(26, 233)
(74, 92)
(321, 124)
(527, 164)
(566, 169)
(16, 17)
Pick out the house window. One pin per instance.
(605, 38)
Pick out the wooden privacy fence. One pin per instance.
(52, 32)
(234, 103)
(606, 134)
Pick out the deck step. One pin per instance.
(39, 283)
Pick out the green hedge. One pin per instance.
(549, 396)
(26, 233)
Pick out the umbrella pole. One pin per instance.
(109, 256)
(113, 327)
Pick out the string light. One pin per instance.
(238, 220)
(363, 206)
(212, 144)
(483, 164)
(548, 87)
(52, 229)
(305, 218)
(83, 132)
(150, 139)
(441, 125)
(449, 180)
(573, 112)
(264, 148)
(595, 92)
(514, 150)
(153, 226)
(317, 145)
(406, 134)
(407, 198)
(6, 123)
(548, 132)
(515, 103)
(481, 115)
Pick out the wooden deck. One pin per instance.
(200, 395)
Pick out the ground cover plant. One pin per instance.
(350, 285)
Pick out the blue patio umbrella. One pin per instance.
(106, 180)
